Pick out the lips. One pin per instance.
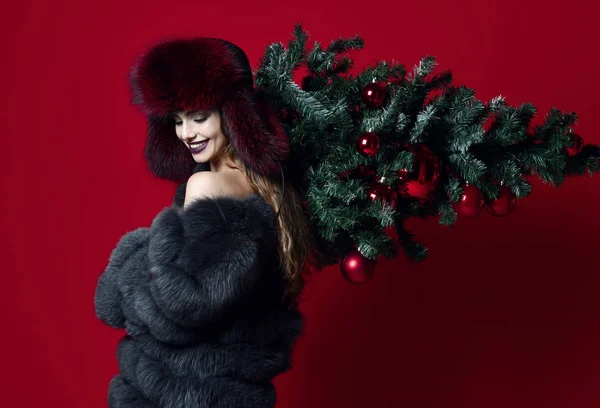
(198, 143)
(198, 147)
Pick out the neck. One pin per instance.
(219, 165)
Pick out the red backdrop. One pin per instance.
(503, 313)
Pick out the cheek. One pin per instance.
(213, 128)
(212, 132)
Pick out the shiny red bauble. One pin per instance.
(373, 95)
(368, 144)
(424, 178)
(357, 269)
(504, 204)
(577, 145)
(383, 192)
(471, 202)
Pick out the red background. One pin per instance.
(502, 314)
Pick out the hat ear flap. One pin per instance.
(166, 155)
(256, 134)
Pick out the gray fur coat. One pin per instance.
(198, 293)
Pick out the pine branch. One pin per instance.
(414, 250)
(483, 144)
(447, 214)
(342, 45)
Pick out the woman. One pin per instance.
(208, 294)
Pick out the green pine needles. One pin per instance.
(356, 140)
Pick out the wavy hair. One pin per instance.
(295, 245)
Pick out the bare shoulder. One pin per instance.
(200, 177)
(200, 185)
(217, 184)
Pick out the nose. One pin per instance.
(187, 133)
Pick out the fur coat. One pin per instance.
(199, 295)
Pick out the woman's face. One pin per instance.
(195, 127)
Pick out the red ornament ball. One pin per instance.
(373, 94)
(357, 269)
(382, 191)
(577, 145)
(471, 202)
(504, 204)
(424, 178)
(368, 144)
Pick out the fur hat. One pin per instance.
(190, 74)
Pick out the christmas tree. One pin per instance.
(370, 150)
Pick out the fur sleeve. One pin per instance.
(127, 258)
(205, 258)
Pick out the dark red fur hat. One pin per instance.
(190, 74)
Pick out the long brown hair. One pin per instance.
(295, 249)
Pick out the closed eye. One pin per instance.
(195, 120)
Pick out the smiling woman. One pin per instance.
(202, 133)
(209, 293)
